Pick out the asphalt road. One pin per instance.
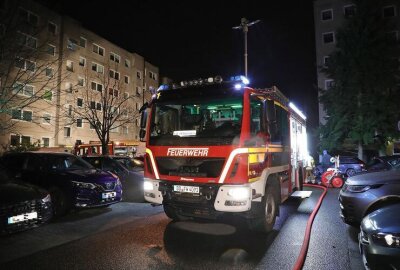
(139, 236)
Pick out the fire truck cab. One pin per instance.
(216, 147)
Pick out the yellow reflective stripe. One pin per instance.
(254, 179)
(153, 163)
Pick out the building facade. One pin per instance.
(80, 74)
(329, 15)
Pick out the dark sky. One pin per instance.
(192, 39)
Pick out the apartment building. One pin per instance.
(77, 70)
(329, 15)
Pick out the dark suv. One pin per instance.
(348, 165)
(70, 180)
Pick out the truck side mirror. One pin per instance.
(143, 123)
(142, 134)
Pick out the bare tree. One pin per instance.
(30, 73)
(103, 101)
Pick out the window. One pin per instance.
(48, 95)
(46, 142)
(97, 67)
(81, 81)
(67, 132)
(82, 42)
(97, 86)
(327, 15)
(82, 61)
(137, 91)
(114, 74)
(52, 28)
(152, 75)
(68, 87)
(328, 37)
(69, 109)
(389, 11)
(127, 63)
(25, 64)
(126, 79)
(79, 102)
(26, 40)
(21, 115)
(97, 49)
(93, 105)
(51, 49)
(18, 140)
(46, 118)
(49, 72)
(126, 95)
(138, 74)
(79, 123)
(113, 92)
(125, 112)
(326, 60)
(71, 44)
(70, 65)
(98, 106)
(349, 11)
(124, 130)
(329, 84)
(28, 17)
(115, 57)
(21, 89)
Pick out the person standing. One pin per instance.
(326, 160)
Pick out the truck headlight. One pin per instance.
(239, 193)
(147, 185)
(359, 188)
(83, 185)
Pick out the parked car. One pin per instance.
(364, 193)
(383, 163)
(71, 181)
(132, 181)
(22, 206)
(348, 165)
(379, 238)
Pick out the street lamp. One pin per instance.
(244, 25)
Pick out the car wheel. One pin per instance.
(350, 172)
(60, 202)
(266, 222)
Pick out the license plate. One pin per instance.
(187, 189)
(22, 217)
(108, 195)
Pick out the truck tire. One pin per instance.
(266, 221)
(171, 213)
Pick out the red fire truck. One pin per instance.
(216, 147)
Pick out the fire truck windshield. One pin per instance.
(197, 121)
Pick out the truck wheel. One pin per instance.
(170, 212)
(266, 221)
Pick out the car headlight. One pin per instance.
(358, 188)
(387, 239)
(116, 176)
(47, 199)
(83, 185)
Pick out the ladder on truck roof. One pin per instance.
(275, 94)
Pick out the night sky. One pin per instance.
(193, 39)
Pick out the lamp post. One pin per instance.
(244, 25)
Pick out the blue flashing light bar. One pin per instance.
(300, 113)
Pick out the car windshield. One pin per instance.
(59, 162)
(198, 121)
